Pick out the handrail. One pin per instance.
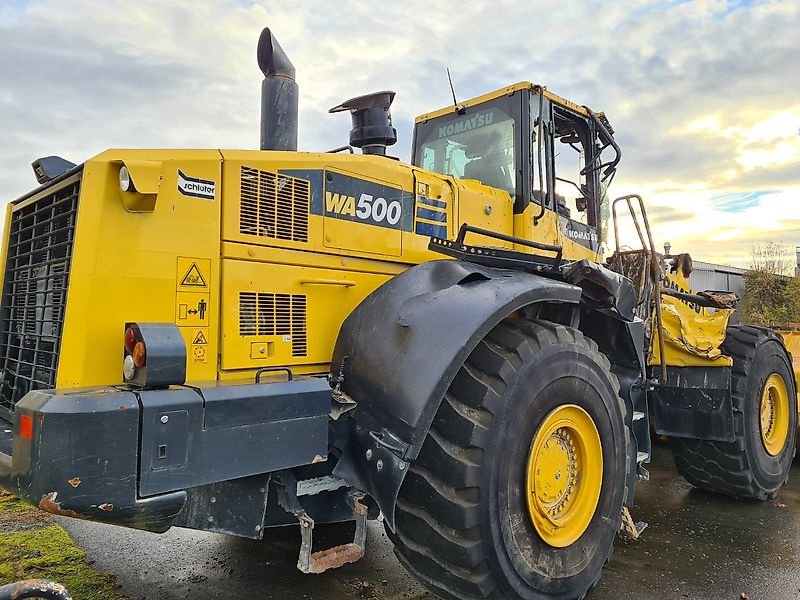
(649, 249)
(466, 228)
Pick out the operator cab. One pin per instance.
(541, 149)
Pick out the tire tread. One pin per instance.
(724, 467)
(437, 533)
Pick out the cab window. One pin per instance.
(479, 145)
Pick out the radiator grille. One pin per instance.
(34, 293)
(274, 206)
(274, 314)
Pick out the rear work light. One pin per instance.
(155, 355)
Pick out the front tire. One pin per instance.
(756, 465)
(484, 513)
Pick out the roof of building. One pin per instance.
(704, 266)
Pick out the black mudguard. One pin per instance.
(401, 348)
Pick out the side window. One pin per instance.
(428, 159)
(539, 141)
(570, 185)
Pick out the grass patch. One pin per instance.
(46, 552)
(12, 503)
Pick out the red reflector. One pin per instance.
(26, 427)
(130, 339)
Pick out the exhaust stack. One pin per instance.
(279, 94)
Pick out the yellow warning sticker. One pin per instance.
(193, 274)
(192, 309)
(198, 340)
(199, 355)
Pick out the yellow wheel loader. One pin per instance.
(236, 340)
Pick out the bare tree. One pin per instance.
(771, 291)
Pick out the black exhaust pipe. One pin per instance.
(279, 94)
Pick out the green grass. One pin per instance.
(33, 546)
(11, 503)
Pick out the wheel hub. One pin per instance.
(774, 414)
(564, 475)
(556, 475)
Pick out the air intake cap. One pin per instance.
(372, 122)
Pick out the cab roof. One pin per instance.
(506, 91)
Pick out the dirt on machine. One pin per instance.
(239, 340)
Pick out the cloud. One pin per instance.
(704, 95)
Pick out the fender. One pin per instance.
(400, 349)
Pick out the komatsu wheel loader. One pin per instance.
(236, 340)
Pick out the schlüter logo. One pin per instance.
(205, 189)
(462, 125)
(366, 202)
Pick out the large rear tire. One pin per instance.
(756, 465)
(518, 490)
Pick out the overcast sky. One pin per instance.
(704, 96)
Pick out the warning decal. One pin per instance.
(192, 310)
(193, 283)
(193, 275)
(194, 278)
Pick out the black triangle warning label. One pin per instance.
(199, 339)
(194, 278)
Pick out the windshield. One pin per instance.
(478, 145)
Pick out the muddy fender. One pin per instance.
(400, 349)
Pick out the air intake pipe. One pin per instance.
(372, 122)
(279, 94)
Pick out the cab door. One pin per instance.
(576, 204)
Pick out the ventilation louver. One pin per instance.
(274, 206)
(274, 314)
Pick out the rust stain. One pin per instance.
(75, 482)
(106, 507)
(359, 507)
(335, 557)
(48, 503)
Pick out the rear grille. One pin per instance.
(274, 206)
(274, 314)
(34, 297)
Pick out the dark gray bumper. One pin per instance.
(127, 457)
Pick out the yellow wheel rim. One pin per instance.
(564, 475)
(774, 411)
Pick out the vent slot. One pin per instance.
(34, 295)
(274, 206)
(275, 314)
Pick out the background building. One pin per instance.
(708, 276)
